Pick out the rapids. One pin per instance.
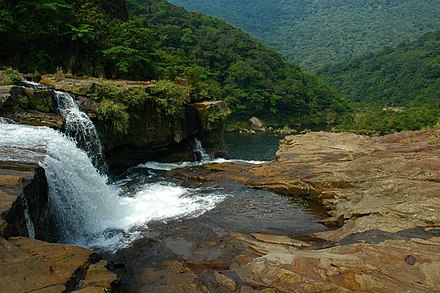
(87, 209)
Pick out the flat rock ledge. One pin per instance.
(30, 265)
(382, 195)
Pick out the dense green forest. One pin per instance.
(316, 33)
(404, 80)
(152, 39)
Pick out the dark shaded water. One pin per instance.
(258, 147)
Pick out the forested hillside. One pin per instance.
(405, 75)
(405, 78)
(315, 33)
(161, 41)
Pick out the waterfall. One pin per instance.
(79, 127)
(200, 152)
(88, 211)
(85, 208)
(29, 224)
(80, 200)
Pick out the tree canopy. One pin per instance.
(153, 39)
(395, 89)
(316, 33)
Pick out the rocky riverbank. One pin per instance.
(382, 195)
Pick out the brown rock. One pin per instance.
(280, 239)
(21, 182)
(365, 182)
(383, 191)
(97, 278)
(226, 282)
(173, 277)
(30, 265)
(357, 267)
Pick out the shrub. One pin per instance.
(216, 117)
(114, 117)
(170, 97)
(10, 76)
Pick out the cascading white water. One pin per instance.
(79, 127)
(85, 207)
(200, 151)
(29, 224)
(153, 165)
(79, 198)
(4, 120)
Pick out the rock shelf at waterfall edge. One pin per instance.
(382, 195)
(383, 200)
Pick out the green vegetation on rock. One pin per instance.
(117, 105)
(10, 76)
(170, 97)
(114, 117)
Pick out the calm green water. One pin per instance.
(259, 147)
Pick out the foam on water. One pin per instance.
(153, 165)
(87, 210)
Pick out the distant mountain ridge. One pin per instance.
(407, 75)
(315, 33)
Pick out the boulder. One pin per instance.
(256, 124)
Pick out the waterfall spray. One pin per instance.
(86, 209)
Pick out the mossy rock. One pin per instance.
(212, 116)
(37, 99)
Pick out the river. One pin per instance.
(258, 147)
(145, 210)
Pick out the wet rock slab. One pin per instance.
(383, 200)
(195, 255)
(365, 182)
(391, 266)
